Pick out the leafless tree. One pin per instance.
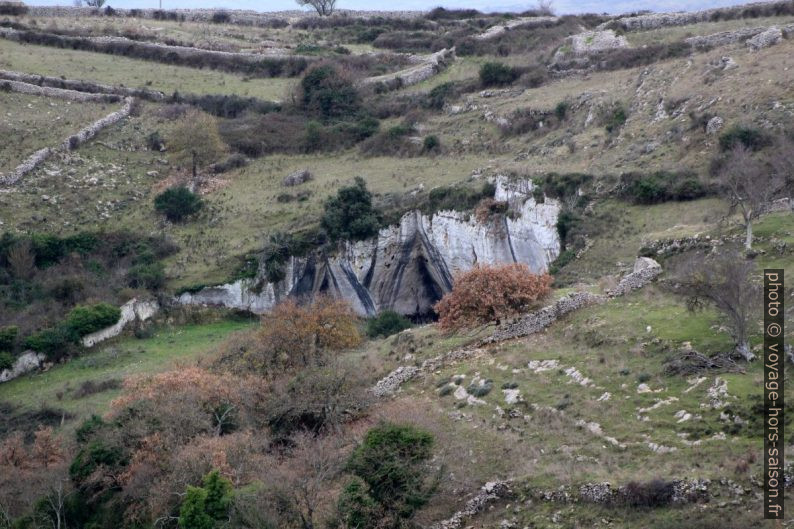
(782, 163)
(22, 260)
(723, 281)
(324, 8)
(546, 7)
(749, 186)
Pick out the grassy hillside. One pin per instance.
(280, 407)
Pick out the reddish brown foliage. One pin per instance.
(294, 335)
(491, 293)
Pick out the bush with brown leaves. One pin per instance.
(491, 293)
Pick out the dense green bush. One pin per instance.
(177, 203)
(431, 143)
(387, 323)
(615, 118)
(203, 507)
(751, 138)
(91, 318)
(457, 198)
(439, 95)
(6, 360)
(661, 186)
(328, 94)
(497, 74)
(146, 275)
(396, 480)
(8, 337)
(54, 343)
(350, 214)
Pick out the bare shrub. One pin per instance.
(22, 260)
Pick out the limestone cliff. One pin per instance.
(408, 267)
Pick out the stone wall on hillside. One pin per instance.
(37, 158)
(425, 67)
(131, 311)
(80, 86)
(236, 16)
(662, 20)
(409, 266)
(60, 93)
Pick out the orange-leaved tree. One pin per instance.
(491, 293)
(297, 336)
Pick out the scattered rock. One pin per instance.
(296, 178)
(714, 125)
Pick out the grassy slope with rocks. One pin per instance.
(536, 442)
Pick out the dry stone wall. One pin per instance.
(72, 142)
(60, 93)
(74, 85)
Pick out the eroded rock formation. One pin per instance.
(410, 266)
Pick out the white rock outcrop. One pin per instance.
(409, 266)
(25, 363)
(133, 310)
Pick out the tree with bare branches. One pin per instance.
(324, 8)
(723, 281)
(749, 186)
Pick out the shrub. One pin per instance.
(438, 95)
(91, 318)
(8, 337)
(387, 323)
(491, 293)
(751, 138)
(13, 9)
(489, 208)
(395, 478)
(192, 512)
(295, 336)
(6, 360)
(177, 203)
(235, 161)
(317, 400)
(221, 17)
(431, 144)
(327, 93)
(195, 141)
(661, 186)
(146, 275)
(456, 198)
(497, 74)
(350, 214)
(54, 343)
(254, 135)
(561, 110)
(655, 493)
(616, 117)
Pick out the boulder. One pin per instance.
(296, 178)
(714, 125)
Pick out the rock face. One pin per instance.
(409, 266)
(131, 311)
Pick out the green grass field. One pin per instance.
(135, 73)
(118, 359)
